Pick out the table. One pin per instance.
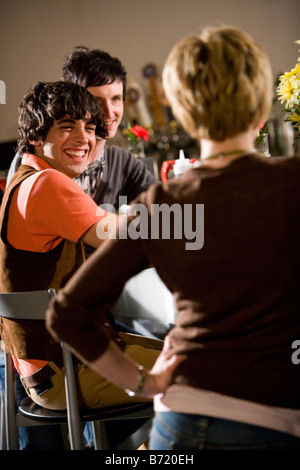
(145, 296)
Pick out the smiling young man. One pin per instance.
(113, 175)
(45, 217)
(113, 172)
(68, 144)
(111, 99)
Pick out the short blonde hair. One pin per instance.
(218, 83)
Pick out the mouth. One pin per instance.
(76, 154)
(110, 124)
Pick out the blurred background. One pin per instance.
(36, 35)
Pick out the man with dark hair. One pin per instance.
(93, 67)
(114, 176)
(45, 218)
(113, 171)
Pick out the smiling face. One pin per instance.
(68, 145)
(110, 98)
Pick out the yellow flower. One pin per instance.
(289, 88)
(295, 118)
(288, 92)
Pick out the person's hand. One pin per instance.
(160, 376)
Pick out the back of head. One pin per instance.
(54, 100)
(219, 83)
(93, 67)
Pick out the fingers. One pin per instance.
(175, 360)
(166, 343)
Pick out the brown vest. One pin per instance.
(28, 271)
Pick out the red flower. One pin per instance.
(139, 132)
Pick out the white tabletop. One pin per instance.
(146, 296)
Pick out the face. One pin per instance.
(110, 98)
(68, 145)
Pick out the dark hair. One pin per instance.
(48, 101)
(93, 67)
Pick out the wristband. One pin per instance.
(141, 377)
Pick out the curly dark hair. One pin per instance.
(93, 67)
(54, 100)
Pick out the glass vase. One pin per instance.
(137, 148)
(261, 145)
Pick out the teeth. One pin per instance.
(75, 153)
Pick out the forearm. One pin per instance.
(119, 369)
(68, 322)
(101, 230)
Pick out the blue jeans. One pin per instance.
(178, 431)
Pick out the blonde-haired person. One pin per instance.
(219, 83)
(226, 378)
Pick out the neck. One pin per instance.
(228, 149)
(100, 143)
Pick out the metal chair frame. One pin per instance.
(32, 306)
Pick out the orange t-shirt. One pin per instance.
(46, 208)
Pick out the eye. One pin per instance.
(91, 128)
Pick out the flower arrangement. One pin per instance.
(288, 92)
(263, 130)
(136, 133)
(261, 143)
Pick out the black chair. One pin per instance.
(32, 306)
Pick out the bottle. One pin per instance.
(181, 165)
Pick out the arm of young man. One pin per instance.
(98, 232)
(48, 207)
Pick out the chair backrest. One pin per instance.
(25, 305)
(33, 306)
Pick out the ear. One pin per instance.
(36, 143)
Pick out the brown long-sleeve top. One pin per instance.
(237, 296)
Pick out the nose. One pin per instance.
(108, 109)
(81, 136)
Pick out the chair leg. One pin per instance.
(12, 438)
(3, 429)
(74, 422)
(100, 436)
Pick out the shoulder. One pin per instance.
(119, 156)
(51, 183)
(288, 162)
(52, 177)
(122, 157)
(121, 161)
(282, 167)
